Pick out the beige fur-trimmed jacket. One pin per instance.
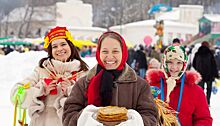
(46, 109)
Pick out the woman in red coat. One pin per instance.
(179, 88)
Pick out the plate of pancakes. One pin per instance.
(111, 115)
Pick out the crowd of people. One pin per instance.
(63, 91)
(5, 50)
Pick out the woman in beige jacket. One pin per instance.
(52, 80)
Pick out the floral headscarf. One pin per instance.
(174, 52)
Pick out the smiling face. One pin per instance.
(60, 50)
(174, 67)
(110, 53)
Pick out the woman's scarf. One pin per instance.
(99, 91)
(59, 71)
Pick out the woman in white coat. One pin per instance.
(52, 80)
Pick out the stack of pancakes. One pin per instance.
(112, 114)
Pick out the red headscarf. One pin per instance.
(100, 86)
(124, 49)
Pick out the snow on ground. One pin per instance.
(16, 66)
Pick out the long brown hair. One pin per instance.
(74, 55)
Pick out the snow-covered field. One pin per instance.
(15, 66)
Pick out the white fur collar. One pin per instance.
(62, 67)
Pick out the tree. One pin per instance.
(107, 13)
(27, 31)
(6, 7)
(23, 22)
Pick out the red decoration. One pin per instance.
(48, 81)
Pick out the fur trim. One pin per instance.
(59, 66)
(154, 75)
(192, 77)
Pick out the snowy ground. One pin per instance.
(15, 66)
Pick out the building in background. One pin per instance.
(35, 22)
(180, 23)
(73, 13)
(209, 30)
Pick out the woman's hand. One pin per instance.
(64, 85)
(50, 87)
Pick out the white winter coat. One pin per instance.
(47, 111)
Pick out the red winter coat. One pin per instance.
(194, 109)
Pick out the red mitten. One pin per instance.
(48, 81)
